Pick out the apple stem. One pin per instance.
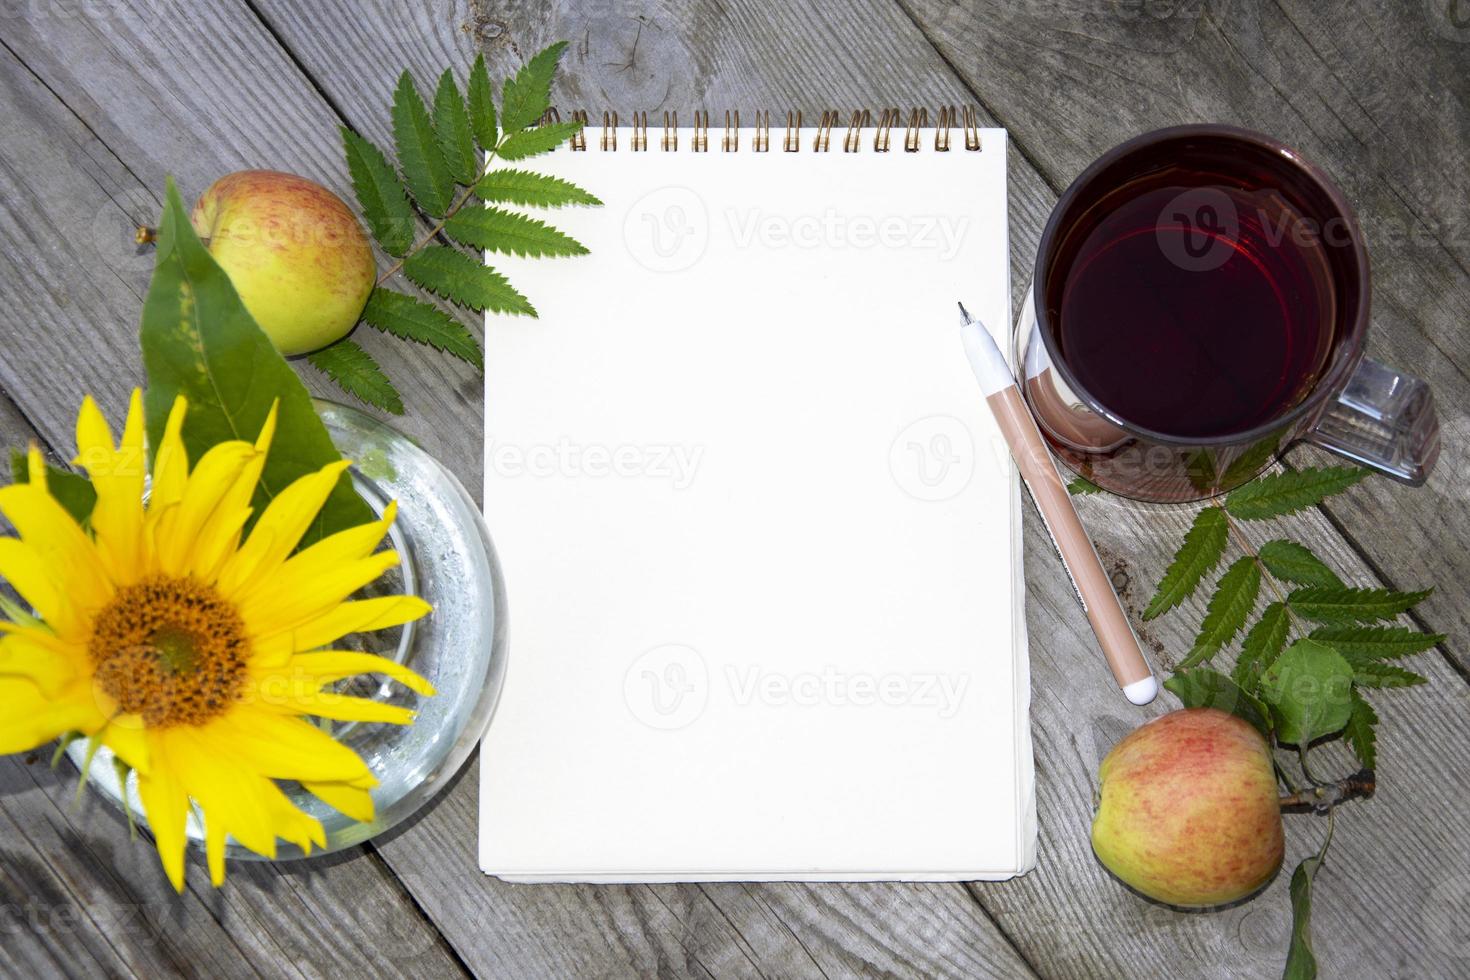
(1322, 799)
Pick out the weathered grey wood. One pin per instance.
(200, 110)
(594, 78)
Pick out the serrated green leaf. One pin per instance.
(73, 491)
(452, 124)
(1199, 466)
(1248, 463)
(424, 168)
(542, 139)
(1309, 689)
(1279, 494)
(1360, 731)
(199, 341)
(1263, 644)
(482, 105)
(1386, 675)
(380, 194)
(1364, 644)
(355, 372)
(467, 281)
(1301, 961)
(1292, 562)
(1203, 547)
(1205, 688)
(1338, 605)
(494, 230)
(1228, 610)
(534, 190)
(525, 97)
(409, 318)
(1081, 486)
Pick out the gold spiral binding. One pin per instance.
(947, 118)
(852, 140)
(972, 128)
(882, 137)
(822, 142)
(792, 141)
(699, 142)
(731, 142)
(918, 119)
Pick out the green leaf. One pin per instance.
(1205, 688)
(380, 194)
(467, 281)
(200, 342)
(1279, 494)
(1301, 962)
(1082, 486)
(1228, 610)
(409, 318)
(1309, 689)
(424, 167)
(1385, 675)
(1362, 644)
(1337, 605)
(72, 490)
(1202, 550)
(1248, 463)
(1360, 733)
(482, 105)
(452, 124)
(530, 142)
(1199, 466)
(532, 189)
(526, 96)
(494, 230)
(1292, 562)
(358, 374)
(1263, 644)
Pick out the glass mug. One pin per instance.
(1201, 300)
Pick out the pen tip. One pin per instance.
(964, 313)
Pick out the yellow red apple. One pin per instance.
(294, 251)
(1189, 813)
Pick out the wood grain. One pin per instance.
(100, 103)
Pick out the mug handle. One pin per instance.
(1384, 419)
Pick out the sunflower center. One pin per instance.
(171, 650)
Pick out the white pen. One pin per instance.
(1094, 590)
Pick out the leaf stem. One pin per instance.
(453, 209)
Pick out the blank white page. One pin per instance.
(760, 534)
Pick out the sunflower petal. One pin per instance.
(279, 530)
(49, 665)
(27, 571)
(167, 807)
(340, 707)
(127, 737)
(333, 665)
(58, 541)
(291, 824)
(32, 718)
(360, 616)
(290, 600)
(220, 538)
(180, 533)
(352, 801)
(118, 475)
(229, 798)
(171, 464)
(283, 747)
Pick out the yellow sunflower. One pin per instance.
(192, 651)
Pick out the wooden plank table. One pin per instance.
(99, 100)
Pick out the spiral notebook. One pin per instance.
(760, 534)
